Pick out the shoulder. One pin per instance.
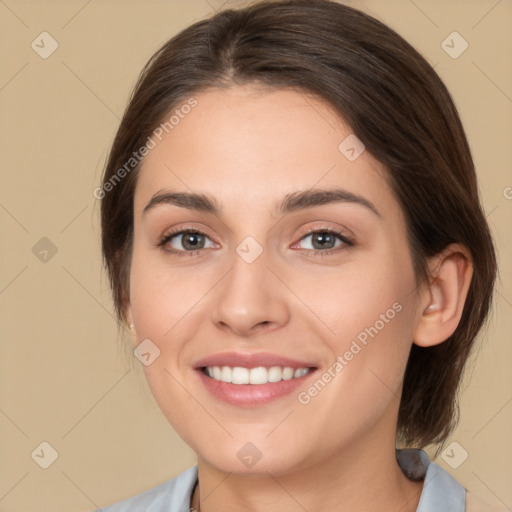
(448, 494)
(441, 492)
(171, 496)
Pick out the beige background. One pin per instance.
(65, 379)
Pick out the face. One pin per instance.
(272, 272)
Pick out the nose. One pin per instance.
(250, 299)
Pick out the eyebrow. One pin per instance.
(291, 203)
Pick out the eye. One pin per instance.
(324, 240)
(191, 241)
(185, 241)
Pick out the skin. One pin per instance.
(249, 147)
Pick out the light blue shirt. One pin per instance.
(441, 492)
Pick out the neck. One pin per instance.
(353, 480)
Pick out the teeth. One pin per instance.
(300, 372)
(259, 375)
(239, 375)
(274, 374)
(288, 373)
(226, 374)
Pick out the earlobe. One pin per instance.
(128, 314)
(444, 296)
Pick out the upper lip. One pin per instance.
(253, 360)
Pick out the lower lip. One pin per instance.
(250, 395)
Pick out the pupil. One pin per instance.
(322, 240)
(191, 241)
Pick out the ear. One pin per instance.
(443, 297)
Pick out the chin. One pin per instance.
(246, 458)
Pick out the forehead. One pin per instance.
(249, 145)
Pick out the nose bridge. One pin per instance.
(250, 295)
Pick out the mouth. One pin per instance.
(258, 376)
(249, 380)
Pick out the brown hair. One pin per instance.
(396, 105)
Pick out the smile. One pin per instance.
(256, 376)
(243, 379)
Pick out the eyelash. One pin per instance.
(312, 252)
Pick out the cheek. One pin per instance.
(363, 377)
(370, 310)
(375, 292)
(163, 299)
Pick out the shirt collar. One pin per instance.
(441, 492)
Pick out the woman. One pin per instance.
(292, 231)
